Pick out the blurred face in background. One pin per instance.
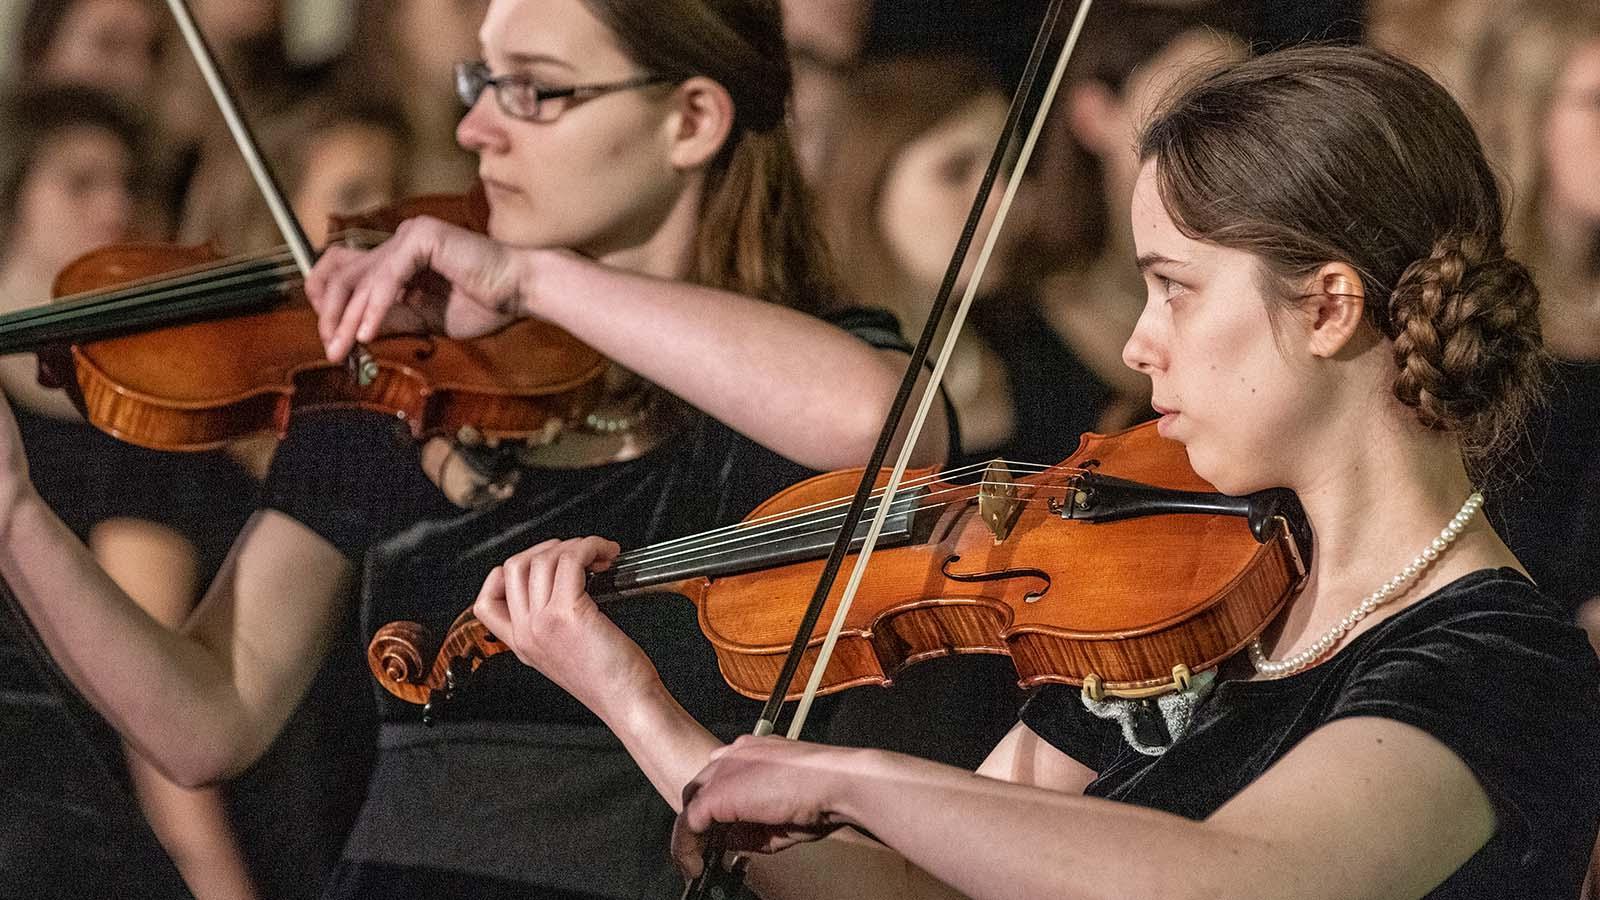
(232, 22)
(77, 197)
(824, 38)
(107, 44)
(1572, 137)
(351, 167)
(931, 185)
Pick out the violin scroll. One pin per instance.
(397, 652)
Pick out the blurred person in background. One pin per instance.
(108, 44)
(403, 52)
(1075, 292)
(333, 154)
(826, 38)
(157, 523)
(1534, 95)
(908, 154)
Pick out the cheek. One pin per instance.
(581, 189)
(921, 222)
(1573, 145)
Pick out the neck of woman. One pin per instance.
(1374, 504)
(662, 248)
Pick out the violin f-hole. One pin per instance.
(999, 575)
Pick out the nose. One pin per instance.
(479, 130)
(1142, 353)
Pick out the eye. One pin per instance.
(1167, 289)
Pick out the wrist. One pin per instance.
(849, 782)
(540, 268)
(636, 703)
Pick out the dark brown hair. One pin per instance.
(1341, 154)
(757, 233)
(31, 117)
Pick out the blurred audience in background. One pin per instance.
(897, 106)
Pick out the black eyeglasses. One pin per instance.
(522, 97)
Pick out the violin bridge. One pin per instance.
(998, 504)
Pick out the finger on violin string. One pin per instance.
(387, 283)
(490, 607)
(570, 579)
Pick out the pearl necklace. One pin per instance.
(1391, 589)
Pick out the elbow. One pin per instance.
(198, 762)
(199, 769)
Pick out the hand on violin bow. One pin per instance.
(537, 605)
(772, 794)
(430, 276)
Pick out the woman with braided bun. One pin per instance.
(1329, 308)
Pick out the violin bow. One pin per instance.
(360, 362)
(715, 881)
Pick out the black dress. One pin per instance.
(1484, 665)
(520, 791)
(1547, 512)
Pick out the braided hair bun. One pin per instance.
(1467, 342)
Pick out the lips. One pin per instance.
(494, 184)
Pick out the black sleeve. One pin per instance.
(351, 477)
(1513, 694)
(881, 329)
(1056, 713)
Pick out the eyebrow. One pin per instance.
(533, 59)
(1146, 260)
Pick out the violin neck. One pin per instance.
(766, 543)
(209, 292)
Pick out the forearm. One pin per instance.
(193, 827)
(141, 676)
(668, 745)
(802, 370)
(990, 838)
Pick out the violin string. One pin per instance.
(654, 555)
(159, 295)
(153, 284)
(752, 538)
(836, 502)
(747, 545)
(819, 523)
(157, 289)
(821, 504)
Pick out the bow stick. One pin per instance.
(713, 880)
(360, 361)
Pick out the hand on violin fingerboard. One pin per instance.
(430, 276)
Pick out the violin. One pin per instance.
(1118, 569)
(174, 348)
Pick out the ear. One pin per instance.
(701, 119)
(1097, 117)
(1335, 302)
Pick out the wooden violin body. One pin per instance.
(1032, 568)
(207, 381)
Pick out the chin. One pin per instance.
(1224, 474)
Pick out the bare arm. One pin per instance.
(1406, 813)
(159, 569)
(201, 705)
(823, 393)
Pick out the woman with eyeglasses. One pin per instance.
(644, 197)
